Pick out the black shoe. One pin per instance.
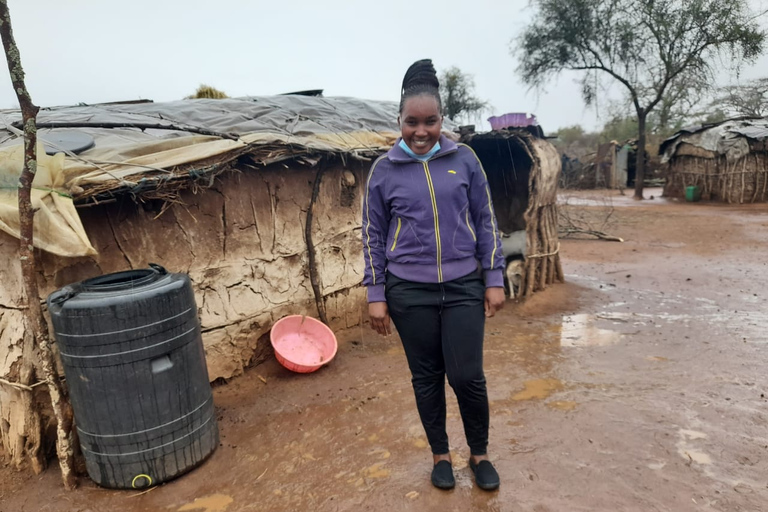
(486, 476)
(442, 475)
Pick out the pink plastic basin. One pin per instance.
(511, 120)
(302, 344)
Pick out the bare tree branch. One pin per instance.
(34, 314)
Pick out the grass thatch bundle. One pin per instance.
(207, 92)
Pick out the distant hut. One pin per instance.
(612, 166)
(727, 161)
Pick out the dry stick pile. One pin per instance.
(166, 185)
(592, 222)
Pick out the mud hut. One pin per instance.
(257, 199)
(523, 171)
(728, 161)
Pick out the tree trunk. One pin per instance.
(640, 163)
(33, 311)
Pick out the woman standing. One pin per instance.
(428, 222)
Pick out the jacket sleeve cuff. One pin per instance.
(376, 293)
(493, 279)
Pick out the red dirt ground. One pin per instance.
(639, 385)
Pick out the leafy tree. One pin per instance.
(457, 94)
(574, 141)
(619, 129)
(748, 100)
(717, 116)
(570, 134)
(678, 106)
(648, 46)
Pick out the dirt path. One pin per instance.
(637, 386)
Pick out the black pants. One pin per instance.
(441, 326)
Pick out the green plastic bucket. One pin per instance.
(692, 194)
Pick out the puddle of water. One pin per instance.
(459, 463)
(561, 405)
(380, 453)
(580, 331)
(376, 471)
(212, 503)
(692, 434)
(691, 454)
(538, 389)
(667, 245)
(644, 318)
(357, 482)
(694, 455)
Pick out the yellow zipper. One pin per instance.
(397, 232)
(437, 223)
(470, 227)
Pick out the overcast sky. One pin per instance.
(94, 51)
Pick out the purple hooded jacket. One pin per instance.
(429, 222)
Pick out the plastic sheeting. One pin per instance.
(172, 131)
(57, 226)
(133, 140)
(730, 138)
(290, 115)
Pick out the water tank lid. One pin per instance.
(125, 280)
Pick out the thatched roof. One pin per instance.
(153, 150)
(142, 146)
(733, 139)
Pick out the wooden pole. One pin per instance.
(314, 275)
(34, 313)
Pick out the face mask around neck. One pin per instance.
(423, 157)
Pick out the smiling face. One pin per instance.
(421, 123)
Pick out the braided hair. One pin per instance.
(421, 78)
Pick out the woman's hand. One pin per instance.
(494, 301)
(379, 313)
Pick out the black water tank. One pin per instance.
(132, 352)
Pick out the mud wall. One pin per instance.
(243, 244)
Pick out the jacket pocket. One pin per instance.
(469, 225)
(397, 234)
(464, 238)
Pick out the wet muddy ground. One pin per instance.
(639, 385)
